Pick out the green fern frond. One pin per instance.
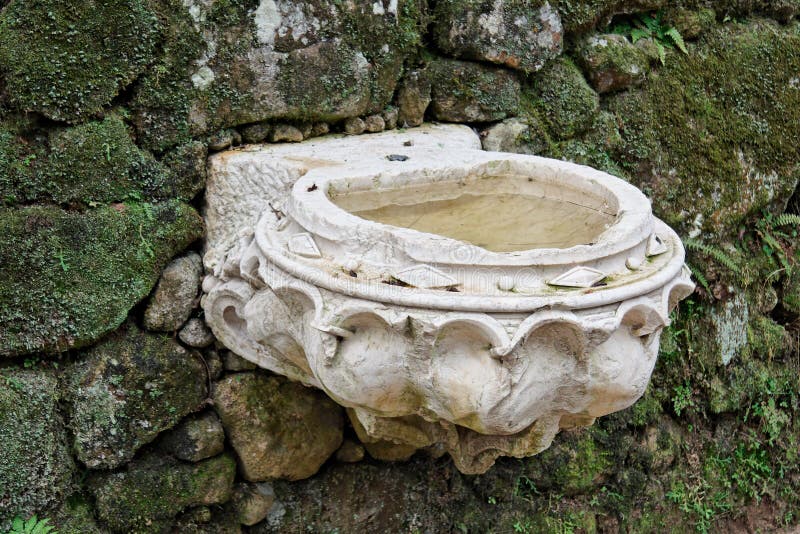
(33, 525)
(713, 252)
(700, 277)
(662, 53)
(786, 219)
(639, 33)
(776, 246)
(676, 39)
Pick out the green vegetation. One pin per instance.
(68, 277)
(33, 525)
(651, 26)
(68, 64)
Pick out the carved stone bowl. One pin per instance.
(466, 301)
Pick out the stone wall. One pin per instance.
(119, 412)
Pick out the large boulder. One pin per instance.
(279, 429)
(148, 495)
(35, 466)
(68, 59)
(227, 64)
(126, 390)
(70, 277)
(516, 33)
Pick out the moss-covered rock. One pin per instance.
(716, 127)
(197, 438)
(279, 429)
(35, 466)
(580, 15)
(463, 91)
(564, 98)
(68, 278)
(234, 63)
(519, 34)
(76, 516)
(68, 59)
(126, 390)
(153, 490)
(92, 163)
(612, 62)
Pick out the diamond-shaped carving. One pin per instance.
(578, 277)
(303, 245)
(425, 277)
(655, 245)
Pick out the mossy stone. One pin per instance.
(68, 59)
(126, 390)
(36, 469)
(279, 429)
(70, 277)
(710, 136)
(147, 496)
(92, 163)
(564, 98)
(463, 91)
(612, 63)
(516, 33)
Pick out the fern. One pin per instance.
(700, 277)
(713, 252)
(787, 219)
(33, 525)
(676, 39)
(650, 26)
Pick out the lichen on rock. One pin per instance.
(316, 60)
(279, 429)
(70, 277)
(518, 34)
(126, 390)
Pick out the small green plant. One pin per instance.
(717, 255)
(33, 525)
(682, 399)
(771, 231)
(651, 26)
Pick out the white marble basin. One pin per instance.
(469, 301)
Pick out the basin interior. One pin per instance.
(500, 213)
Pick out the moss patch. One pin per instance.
(69, 59)
(564, 98)
(153, 490)
(35, 466)
(95, 162)
(717, 127)
(68, 277)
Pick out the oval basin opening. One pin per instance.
(503, 213)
